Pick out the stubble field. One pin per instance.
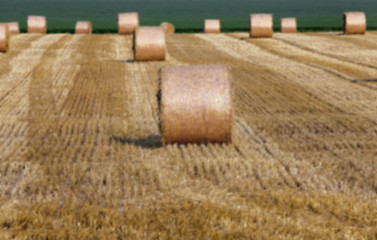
(81, 153)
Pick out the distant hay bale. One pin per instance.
(196, 105)
(36, 24)
(149, 44)
(212, 26)
(288, 25)
(83, 27)
(261, 25)
(127, 22)
(4, 37)
(354, 23)
(14, 28)
(168, 27)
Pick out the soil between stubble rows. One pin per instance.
(81, 154)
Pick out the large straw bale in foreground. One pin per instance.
(4, 37)
(168, 27)
(196, 104)
(354, 23)
(149, 44)
(14, 28)
(212, 26)
(127, 22)
(36, 24)
(288, 25)
(83, 27)
(261, 25)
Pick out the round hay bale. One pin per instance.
(83, 27)
(149, 44)
(36, 24)
(4, 37)
(14, 28)
(127, 22)
(261, 25)
(168, 27)
(354, 23)
(212, 26)
(196, 105)
(288, 25)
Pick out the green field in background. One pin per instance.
(188, 15)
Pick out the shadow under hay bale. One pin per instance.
(152, 141)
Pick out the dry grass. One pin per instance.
(81, 154)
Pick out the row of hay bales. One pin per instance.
(196, 105)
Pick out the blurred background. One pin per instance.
(186, 15)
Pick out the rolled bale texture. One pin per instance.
(36, 24)
(212, 26)
(288, 25)
(196, 105)
(4, 37)
(127, 22)
(14, 28)
(149, 44)
(168, 27)
(354, 23)
(83, 27)
(261, 25)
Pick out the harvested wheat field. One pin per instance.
(82, 158)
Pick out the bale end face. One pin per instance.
(4, 37)
(196, 104)
(149, 44)
(127, 22)
(212, 26)
(261, 25)
(36, 24)
(288, 25)
(14, 28)
(83, 27)
(354, 23)
(168, 27)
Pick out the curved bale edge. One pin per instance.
(261, 25)
(127, 22)
(4, 37)
(149, 44)
(354, 23)
(196, 105)
(37, 24)
(212, 26)
(83, 27)
(288, 25)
